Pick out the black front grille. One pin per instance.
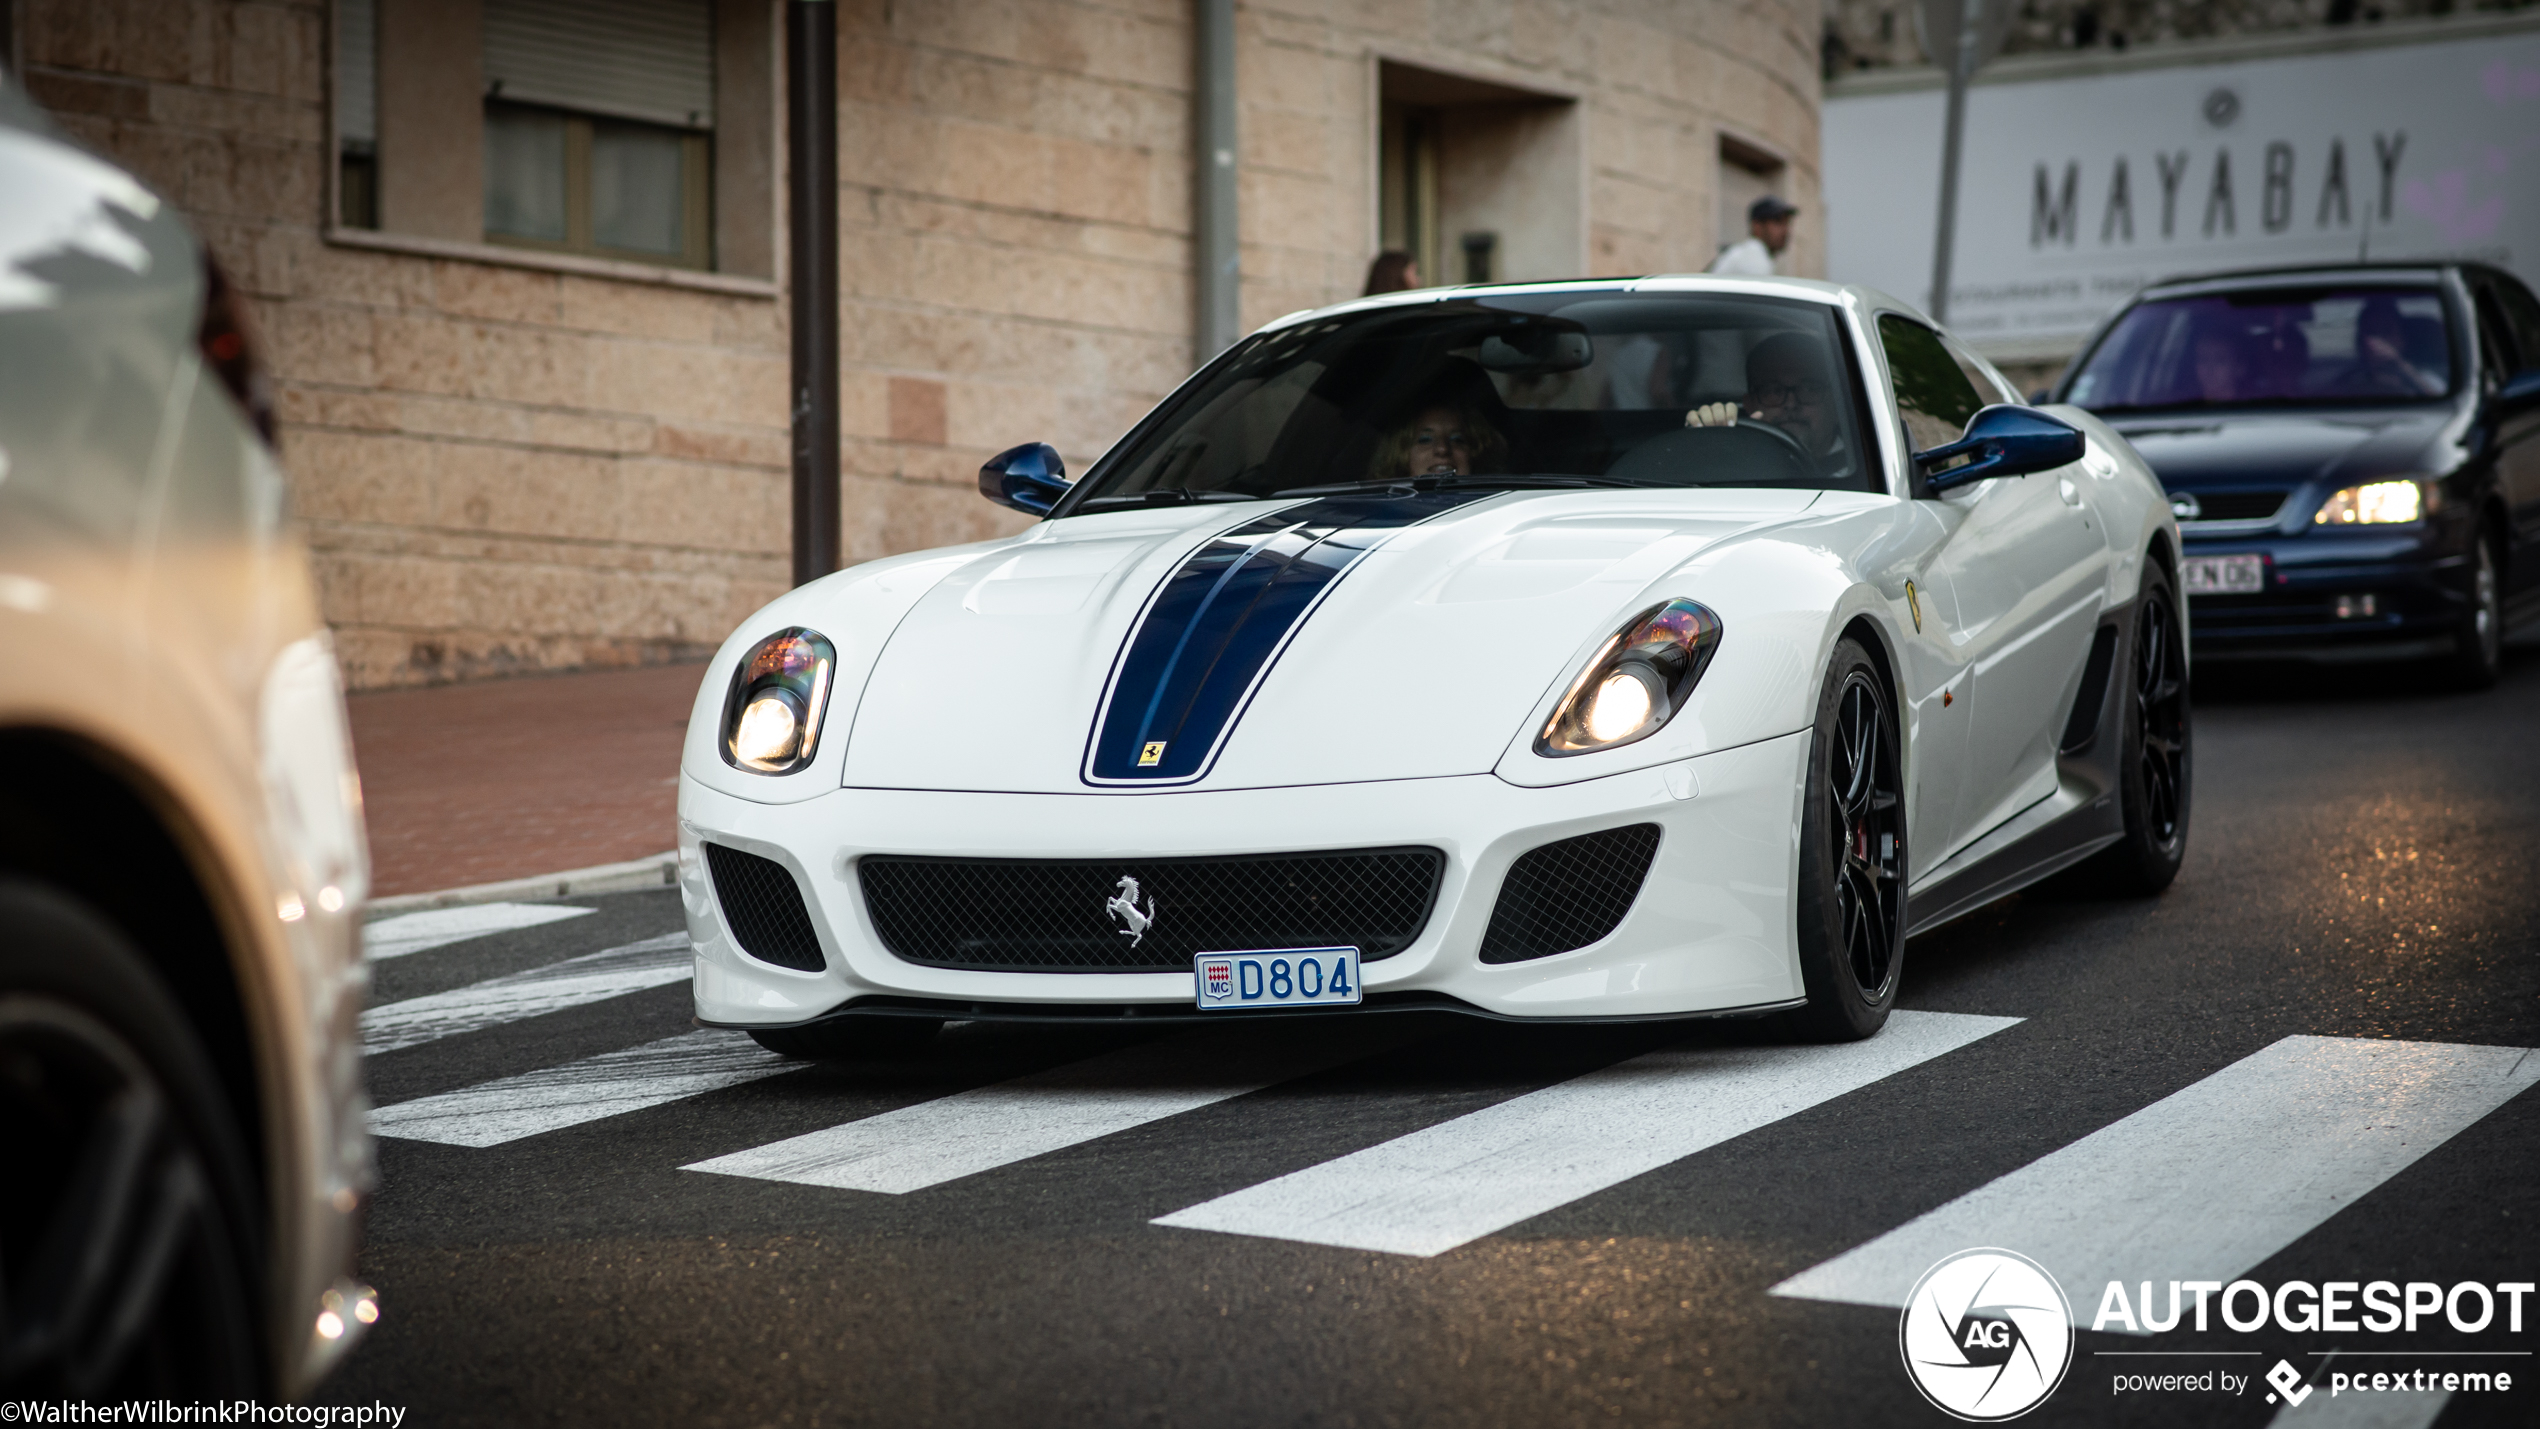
(2238, 505)
(1569, 894)
(764, 909)
(1054, 916)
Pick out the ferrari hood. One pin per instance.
(1330, 640)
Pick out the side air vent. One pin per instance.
(1569, 894)
(764, 909)
(2084, 724)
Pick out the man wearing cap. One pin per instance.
(1768, 233)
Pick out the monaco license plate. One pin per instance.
(1277, 977)
(2223, 575)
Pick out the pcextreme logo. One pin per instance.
(1986, 1335)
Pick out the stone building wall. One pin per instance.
(510, 462)
(1875, 34)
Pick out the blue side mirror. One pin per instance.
(1030, 478)
(2523, 387)
(2001, 441)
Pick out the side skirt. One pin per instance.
(2082, 816)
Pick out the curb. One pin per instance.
(659, 871)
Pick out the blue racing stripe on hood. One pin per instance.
(1217, 622)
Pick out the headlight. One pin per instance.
(771, 719)
(1636, 682)
(2382, 503)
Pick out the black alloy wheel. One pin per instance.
(1851, 895)
(127, 1262)
(2478, 647)
(2155, 769)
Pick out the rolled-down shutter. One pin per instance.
(633, 59)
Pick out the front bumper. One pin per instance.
(1711, 931)
(2416, 581)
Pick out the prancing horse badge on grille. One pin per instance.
(1123, 905)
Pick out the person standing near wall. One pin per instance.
(1767, 234)
(1393, 271)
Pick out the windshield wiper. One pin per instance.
(1411, 485)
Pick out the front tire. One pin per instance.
(2478, 647)
(128, 1219)
(1851, 894)
(848, 1039)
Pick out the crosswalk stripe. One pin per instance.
(1438, 1188)
(2207, 1182)
(930, 1143)
(611, 1084)
(592, 977)
(433, 927)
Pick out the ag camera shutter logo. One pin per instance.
(1986, 1335)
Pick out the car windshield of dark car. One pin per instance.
(1513, 389)
(2272, 347)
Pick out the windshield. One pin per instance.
(2272, 346)
(1510, 389)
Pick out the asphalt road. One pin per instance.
(2361, 875)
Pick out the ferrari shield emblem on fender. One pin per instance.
(1914, 604)
(1152, 754)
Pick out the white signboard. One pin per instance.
(2078, 188)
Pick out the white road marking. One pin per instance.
(979, 1130)
(2210, 1180)
(434, 927)
(1458, 1181)
(592, 977)
(610, 1084)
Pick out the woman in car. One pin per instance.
(1442, 439)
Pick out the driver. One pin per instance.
(2381, 366)
(1441, 439)
(1788, 385)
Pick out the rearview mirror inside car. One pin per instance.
(1029, 478)
(2001, 441)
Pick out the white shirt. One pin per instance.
(1746, 258)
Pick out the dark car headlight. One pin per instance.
(1636, 681)
(771, 718)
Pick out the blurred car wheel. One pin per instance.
(128, 1235)
(2478, 653)
(2154, 769)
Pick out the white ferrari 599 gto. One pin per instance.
(1625, 649)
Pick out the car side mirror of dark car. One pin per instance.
(2522, 387)
(2001, 441)
(1029, 478)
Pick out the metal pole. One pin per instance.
(1219, 259)
(1962, 67)
(811, 232)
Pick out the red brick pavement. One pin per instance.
(513, 778)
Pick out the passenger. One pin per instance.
(1444, 439)
(2222, 368)
(2381, 367)
(1393, 271)
(1789, 385)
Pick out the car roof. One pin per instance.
(2302, 276)
(1807, 289)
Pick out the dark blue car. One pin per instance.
(2353, 454)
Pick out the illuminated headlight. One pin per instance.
(2382, 503)
(771, 719)
(1637, 681)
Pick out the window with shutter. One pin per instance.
(599, 116)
